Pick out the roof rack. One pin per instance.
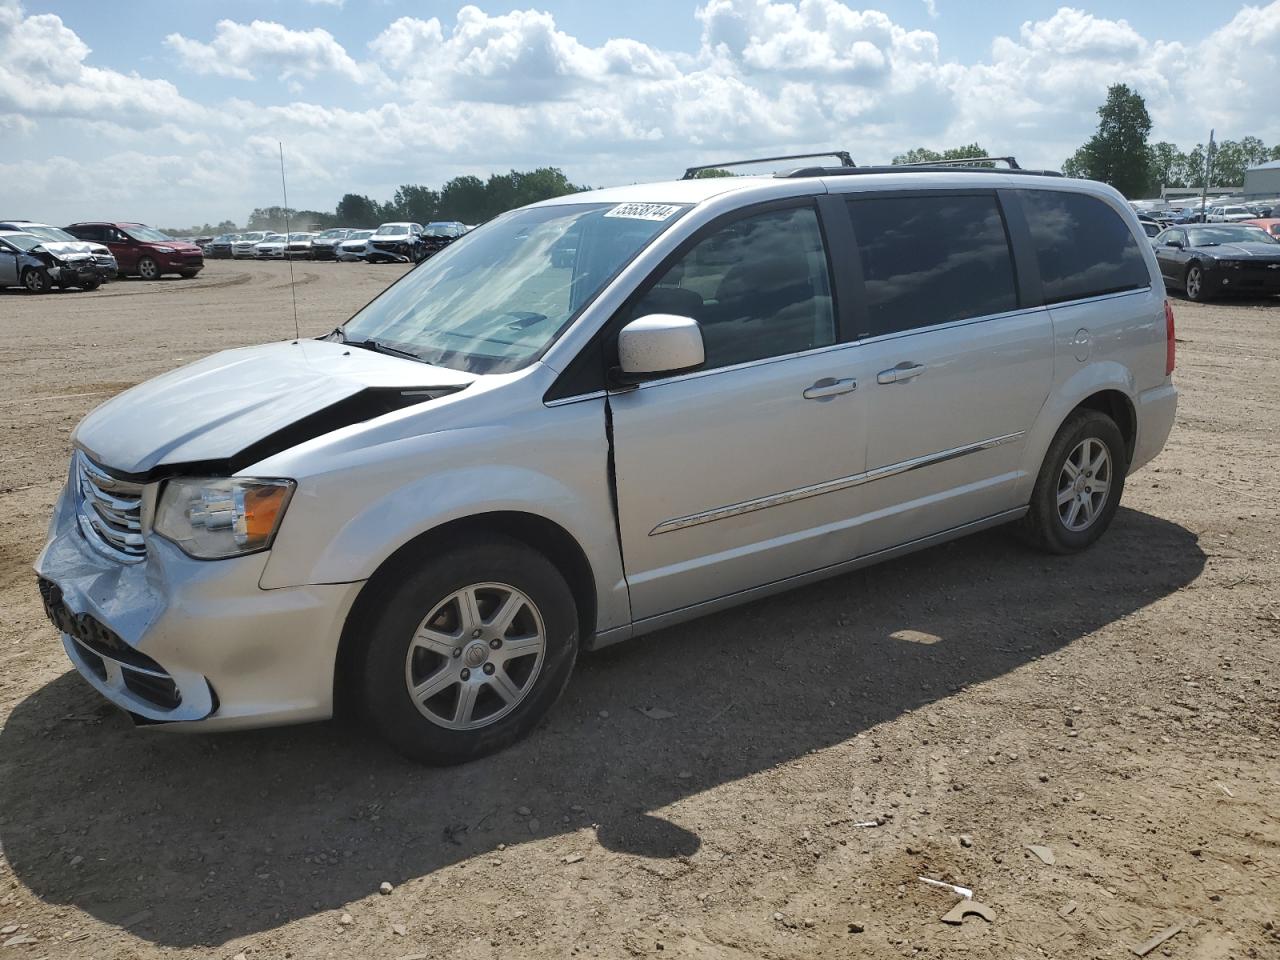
(963, 162)
(846, 162)
(909, 168)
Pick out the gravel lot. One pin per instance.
(1120, 708)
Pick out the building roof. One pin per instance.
(1271, 165)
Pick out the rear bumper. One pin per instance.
(192, 644)
(1156, 409)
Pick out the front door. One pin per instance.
(735, 475)
(8, 266)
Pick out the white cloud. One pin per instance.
(239, 49)
(430, 98)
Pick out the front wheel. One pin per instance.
(469, 650)
(1078, 489)
(36, 280)
(1194, 284)
(148, 269)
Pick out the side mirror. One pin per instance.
(1173, 243)
(657, 344)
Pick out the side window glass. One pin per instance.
(759, 288)
(932, 259)
(1083, 247)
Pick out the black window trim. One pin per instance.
(586, 375)
(1026, 275)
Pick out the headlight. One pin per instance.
(1229, 264)
(215, 517)
(164, 249)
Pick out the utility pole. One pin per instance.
(1208, 170)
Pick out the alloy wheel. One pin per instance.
(147, 269)
(476, 656)
(1083, 484)
(35, 281)
(1194, 282)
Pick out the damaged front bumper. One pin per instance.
(187, 643)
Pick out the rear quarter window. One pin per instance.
(1083, 247)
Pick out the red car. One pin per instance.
(141, 250)
(1269, 224)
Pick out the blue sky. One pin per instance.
(169, 112)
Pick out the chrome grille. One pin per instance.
(109, 512)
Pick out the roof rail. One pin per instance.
(846, 162)
(962, 162)
(908, 168)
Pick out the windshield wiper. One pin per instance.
(377, 346)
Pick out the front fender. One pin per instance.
(1093, 378)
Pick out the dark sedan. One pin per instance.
(1213, 259)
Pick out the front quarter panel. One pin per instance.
(366, 502)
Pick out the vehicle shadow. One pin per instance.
(199, 840)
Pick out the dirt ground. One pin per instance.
(1120, 708)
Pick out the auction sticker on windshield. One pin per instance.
(644, 211)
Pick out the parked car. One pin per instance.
(298, 246)
(220, 246)
(355, 246)
(738, 386)
(1269, 224)
(246, 246)
(60, 242)
(27, 261)
(438, 235)
(1229, 214)
(324, 246)
(396, 243)
(271, 247)
(1212, 259)
(141, 250)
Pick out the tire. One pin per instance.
(148, 269)
(1193, 284)
(1058, 525)
(36, 280)
(92, 285)
(460, 666)
(188, 274)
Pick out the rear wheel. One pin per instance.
(1079, 486)
(36, 280)
(1193, 283)
(469, 651)
(148, 269)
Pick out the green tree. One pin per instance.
(1233, 157)
(271, 218)
(356, 210)
(1168, 165)
(414, 203)
(462, 198)
(1118, 153)
(925, 155)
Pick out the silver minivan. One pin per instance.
(597, 416)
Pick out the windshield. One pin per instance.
(330, 234)
(1227, 233)
(145, 234)
(496, 298)
(360, 235)
(393, 229)
(49, 233)
(299, 236)
(22, 241)
(440, 230)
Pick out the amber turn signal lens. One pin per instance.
(262, 508)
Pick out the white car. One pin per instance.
(733, 387)
(1231, 214)
(299, 246)
(245, 246)
(354, 247)
(271, 248)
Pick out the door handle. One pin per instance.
(827, 387)
(901, 373)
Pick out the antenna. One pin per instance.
(293, 292)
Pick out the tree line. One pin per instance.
(466, 199)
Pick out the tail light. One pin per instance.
(1170, 342)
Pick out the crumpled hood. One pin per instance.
(73, 248)
(236, 404)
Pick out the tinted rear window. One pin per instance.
(1083, 246)
(932, 259)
